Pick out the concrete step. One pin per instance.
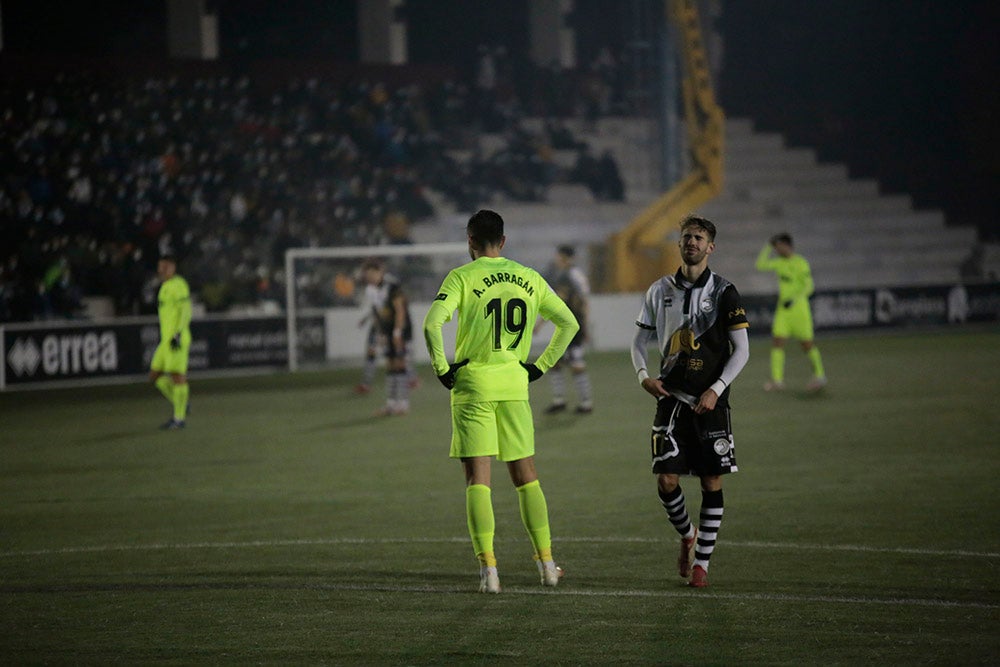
(784, 191)
(779, 173)
(852, 235)
(740, 160)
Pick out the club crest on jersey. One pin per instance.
(707, 305)
(683, 340)
(721, 446)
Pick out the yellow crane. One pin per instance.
(647, 248)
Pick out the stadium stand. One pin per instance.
(101, 174)
(854, 235)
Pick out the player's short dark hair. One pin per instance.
(783, 237)
(485, 228)
(566, 250)
(372, 263)
(698, 221)
(168, 257)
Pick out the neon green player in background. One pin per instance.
(498, 301)
(792, 316)
(168, 370)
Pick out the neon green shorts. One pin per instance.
(170, 361)
(795, 322)
(504, 429)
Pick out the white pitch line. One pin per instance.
(788, 546)
(681, 593)
(635, 593)
(793, 546)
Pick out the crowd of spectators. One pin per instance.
(99, 176)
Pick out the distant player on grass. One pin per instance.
(390, 317)
(498, 301)
(700, 326)
(792, 316)
(168, 370)
(572, 286)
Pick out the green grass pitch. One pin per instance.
(286, 525)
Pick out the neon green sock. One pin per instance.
(166, 387)
(778, 364)
(817, 362)
(482, 526)
(535, 516)
(181, 393)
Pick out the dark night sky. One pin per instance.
(902, 90)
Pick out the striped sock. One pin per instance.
(557, 378)
(368, 374)
(708, 526)
(403, 390)
(395, 388)
(583, 389)
(673, 502)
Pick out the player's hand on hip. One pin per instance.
(175, 342)
(706, 402)
(448, 378)
(534, 372)
(655, 387)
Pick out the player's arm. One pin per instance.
(184, 310)
(556, 311)
(807, 280)
(399, 317)
(764, 260)
(736, 319)
(583, 295)
(644, 335)
(440, 312)
(740, 341)
(436, 316)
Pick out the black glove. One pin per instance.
(787, 304)
(448, 379)
(534, 372)
(175, 342)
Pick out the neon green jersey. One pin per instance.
(498, 302)
(174, 299)
(794, 275)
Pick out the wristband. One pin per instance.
(643, 375)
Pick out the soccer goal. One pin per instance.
(325, 296)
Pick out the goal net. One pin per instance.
(325, 296)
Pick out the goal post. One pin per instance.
(325, 284)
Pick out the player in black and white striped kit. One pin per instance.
(570, 282)
(700, 327)
(390, 316)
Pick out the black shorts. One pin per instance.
(686, 443)
(392, 351)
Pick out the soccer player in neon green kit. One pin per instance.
(792, 316)
(498, 301)
(168, 370)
